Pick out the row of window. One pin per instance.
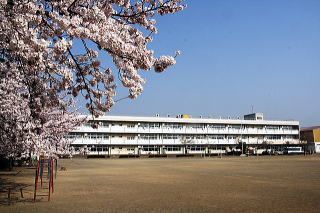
(278, 137)
(103, 136)
(191, 126)
(197, 148)
(273, 137)
(172, 148)
(148, 137)
(216, 137)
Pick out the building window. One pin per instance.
(235, 126)
(216, 126)
(287, 127)
(188, 137)
(172, 148)
(216, 137)
(288, 137)
(144, 125)
(197, 148)
(131, 125)
(149, 137)
(273, 137)
(104, 124)
(272, 127)
(196, 126)
(73, 135)
(154, 125)
(150, 148)
(168, 136)
(200, 137)
(96, 136)
(172, 126)
(231, 137)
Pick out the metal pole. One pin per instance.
(36, 182)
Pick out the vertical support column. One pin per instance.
(51, 177)
(36, 181)
(41, 171)
(56, 168)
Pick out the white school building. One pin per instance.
(181, 135)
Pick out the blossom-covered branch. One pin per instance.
(41, 34)
(41, 75)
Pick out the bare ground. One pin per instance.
(233, 184)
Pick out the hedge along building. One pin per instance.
(312, 136)
(128, 135)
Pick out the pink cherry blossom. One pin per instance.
(41, 74)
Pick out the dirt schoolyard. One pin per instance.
(230, 184)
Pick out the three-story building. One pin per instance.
(128, 135)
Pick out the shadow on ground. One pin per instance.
(12, 192)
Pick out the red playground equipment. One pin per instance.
(46, 170)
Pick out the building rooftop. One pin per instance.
(189, 119)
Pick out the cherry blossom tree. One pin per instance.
(39, 35)
(13, 119)
(42, 71)
(33, 126)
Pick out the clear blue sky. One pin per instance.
(235, 54)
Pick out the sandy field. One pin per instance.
(230, 184)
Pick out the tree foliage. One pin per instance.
(41, 73)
